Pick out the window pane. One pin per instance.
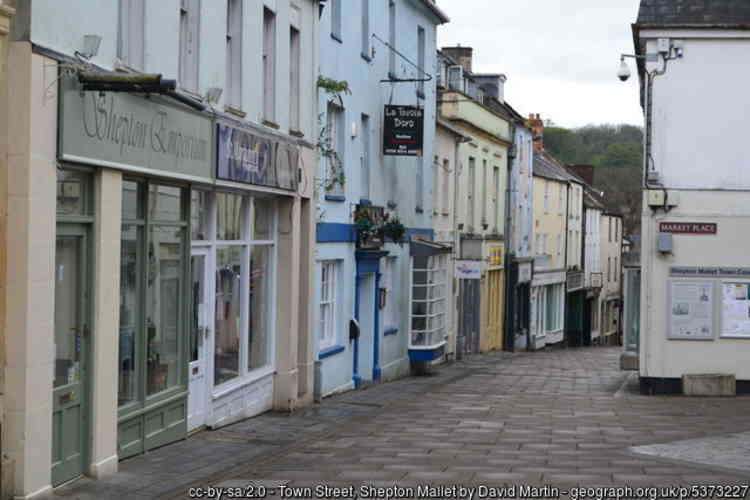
(68, 288)
(73, 192)
(199, 216)
(228, 305)
(129, 309)
(228, 217)
(163, 292)
(130, 197)
(164, 203)
(262, 229)
(260, 300)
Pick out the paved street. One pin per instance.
(562, 418)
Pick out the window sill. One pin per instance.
(390, 331)
(331, 351)
(235, 111)
(337, 38)
(269, 123)
(419, 210)
(241, 382)
(335, 197)
(366, 57)
(296, 133)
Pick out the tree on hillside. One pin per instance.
(616, 152)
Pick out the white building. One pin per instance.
(696, 219)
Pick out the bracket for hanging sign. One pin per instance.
(403, 80)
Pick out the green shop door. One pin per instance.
(69, 410)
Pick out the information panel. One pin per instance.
(691, 306)
(735, 310)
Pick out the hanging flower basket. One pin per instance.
(369, 229)
(393, 229)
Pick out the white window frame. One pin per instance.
(210, 245)
(189, 45)
(546, 196)
(295, 79)
(392, 37)
(446, 187)
(336, 16)
(328, 322)
(269, 55)
(234, 54)
(131, 42)
(365, 174)
(435, 296)
(388, 282)
(495, 195)
(336, 141)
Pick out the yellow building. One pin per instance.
(473, 104)
(551, 185)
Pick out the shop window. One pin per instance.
(242, 248)
(229, 217)
(328, 298)
(152, 290)
(554, 309)
(429, 302)
(259, 328)
(199, 215)
(228, 314)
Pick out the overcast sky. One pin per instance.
(560, 56)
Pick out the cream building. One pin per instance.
(551, 186)
(610, 296)
(481, 190)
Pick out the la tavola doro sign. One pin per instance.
(129, 132)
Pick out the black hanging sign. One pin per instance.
(403, 129)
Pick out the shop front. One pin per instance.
(547, 308)
(143, 155)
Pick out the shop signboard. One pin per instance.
(575, 280)
(403, 129)
(468, 269)
(596, 280)
(691, 310)
(129, 132)
(495, 255)
(251, 157)
(524, 272)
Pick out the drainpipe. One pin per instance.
(510, 283)
(457, 240)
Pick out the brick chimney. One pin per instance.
(462, 56)
(585, 172)
(536, 125)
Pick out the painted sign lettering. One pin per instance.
(688, 227)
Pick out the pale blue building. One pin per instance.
(374, 46)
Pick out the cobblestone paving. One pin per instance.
(564, 418)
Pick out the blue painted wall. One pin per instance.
(393, 181)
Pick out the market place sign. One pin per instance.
(688, 228)
(129, 132)
(403, 131)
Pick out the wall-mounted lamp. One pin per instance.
(213, 94)
(91, 45)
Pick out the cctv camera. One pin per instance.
(624, 72)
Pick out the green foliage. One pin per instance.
(617, 153)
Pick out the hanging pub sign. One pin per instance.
(252, 158)
(403, 129)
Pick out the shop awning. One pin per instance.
(424, 248)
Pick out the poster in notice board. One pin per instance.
(735, 310)
(691, 310)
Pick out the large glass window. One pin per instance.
(228, 314)
(152, 292)
(239, 245)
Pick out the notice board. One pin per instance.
(691, 310)
(735, 309)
